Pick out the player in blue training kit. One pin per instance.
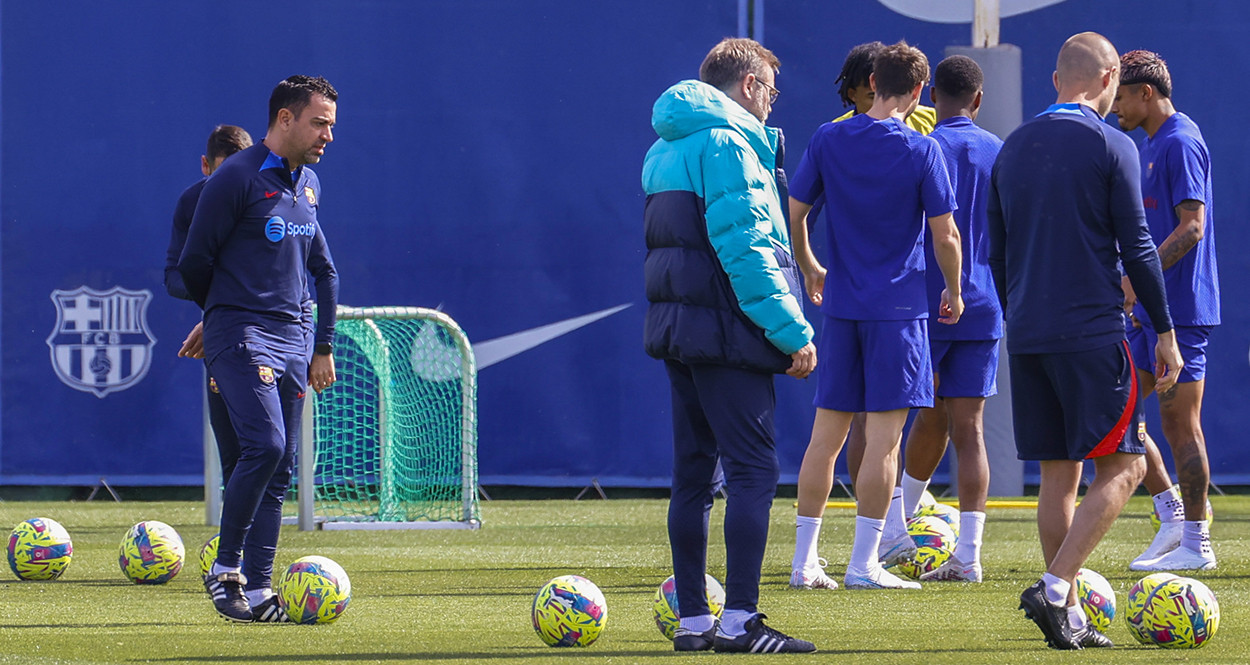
(965, 355)
(252, 244)
(1064, 212)
(882, 180)
(1176, 194)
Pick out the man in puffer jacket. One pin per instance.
(724, 317)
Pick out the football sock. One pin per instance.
(867, 539)
(699, 624)
(971, 528)
(806, 535)
(1196, 535)
(1169, 506)
(734, 622)
(1076, 617)
(1056, 589)
(894, 522)
(257, 596)
(913, 489)
(218, 569)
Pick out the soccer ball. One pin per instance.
(208, 555)
(935, 541)
(314, 589)
(1180, 613)
(667, 615)
(569, 611)
(1138, 597)
(1097, 598)
(151, 553)
(948, 514)
(39, 549)
(1155, 521)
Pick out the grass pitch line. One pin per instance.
(991, 503)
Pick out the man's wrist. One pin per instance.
(323, 349)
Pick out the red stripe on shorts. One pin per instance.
(1111, 442)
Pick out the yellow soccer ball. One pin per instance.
(151, 553)
(569, 611)
(668, 615)
(314, 589)
(39, 549)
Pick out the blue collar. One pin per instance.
(1070, 109)
(273, 161)
(954, 121)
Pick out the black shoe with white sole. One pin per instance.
(226, 590)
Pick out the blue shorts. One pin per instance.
(1076, 405)
(965, 368)
(1192, 341)
(873, 365)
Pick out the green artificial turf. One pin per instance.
(464, 596)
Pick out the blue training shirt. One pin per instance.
(881, 180)
(183, 212)
(252, 243)
(970, 152)
(1064, 192)
(1176, 166)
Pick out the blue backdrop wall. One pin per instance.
(486, 162)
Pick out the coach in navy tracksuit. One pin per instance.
(724, 316)
(251, 246)
(1064, 210)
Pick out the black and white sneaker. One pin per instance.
(1052, 618)
(270, 611)
(761, 639)
(1089, 638)
(226, 590)
(688, 640)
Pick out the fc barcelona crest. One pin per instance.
(101, 342)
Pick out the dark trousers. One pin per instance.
(256, 460)
(725, 414)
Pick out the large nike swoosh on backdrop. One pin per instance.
(960, 11)
(501, 348)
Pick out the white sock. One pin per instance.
(913, 489)
(867, 540)
(1056, 589)
(218, 569)
(1196, 536)
(734, 622)
(806, 535)
(971, 528)
(895, 525)
(1076, 617)
(699, 624)
(257, 596)
(1169, 506)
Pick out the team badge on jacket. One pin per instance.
(266, 374)
(308, 194)
(100, 342)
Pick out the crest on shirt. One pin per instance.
(1141, 431)
(266, 374)
(212, 386)
(100, 342)
(308, 194)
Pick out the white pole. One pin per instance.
(306, 460)
(212, 464)
(985, 22)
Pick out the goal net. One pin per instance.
(393, 443)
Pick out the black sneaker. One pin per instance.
(226, 590)
(1052, 618)
(761, 639)
(688, 640)
(270, 612)
(1089, 638)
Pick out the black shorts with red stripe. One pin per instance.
(1076, 406)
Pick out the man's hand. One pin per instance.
(804, 362)
(1168, 362)
(321, 372)
(951, 308)
(193, 345)
(814, 281)
(1130, 299)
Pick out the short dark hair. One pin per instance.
(295, 92)
(898, 69)
(856, 69)
(958, 77)
(1146, 67)
(225, 140)
(732, 59)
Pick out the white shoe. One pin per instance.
(1181, 558)
(894, 551)
(954, 570)
(812, 577)
(877, 578)
(1166, 540)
